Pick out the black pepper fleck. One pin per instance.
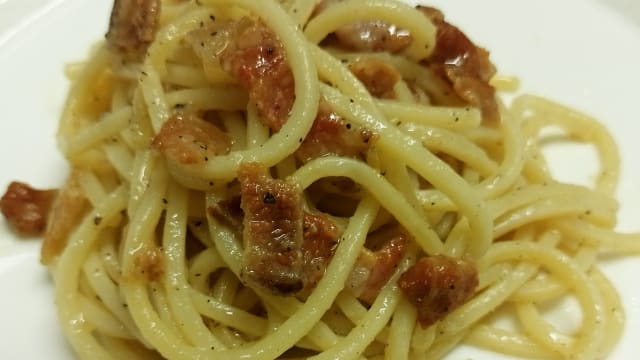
(269, 198)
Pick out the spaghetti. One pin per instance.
(254, 179)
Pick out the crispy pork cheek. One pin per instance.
(457, 59)
(320, 238)
(331, 134)
(377, 75)
(272, 231)
(26, 208)
(188, 139)
(373, 269)
(252, 54)
(437, 285)
(464, 64)
(133, 26)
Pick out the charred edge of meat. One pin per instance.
(284, 283)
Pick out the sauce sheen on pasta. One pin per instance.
(303, 179)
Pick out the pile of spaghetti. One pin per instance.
(326, 180)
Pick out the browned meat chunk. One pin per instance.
(374, 268)
(286, 250)
(254, 56)
(331, 134)
(378, 76)
(188, 139)
(133, 26)
(273, 230)
(464, 64)
(251, 53)
(26, 208)
(320, 238)
(437, 285)
(319, 233)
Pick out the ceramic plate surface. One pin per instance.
(583, 53)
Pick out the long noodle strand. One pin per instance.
(151, 247)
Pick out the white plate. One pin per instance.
(583, 53)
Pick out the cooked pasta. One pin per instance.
(332, 180)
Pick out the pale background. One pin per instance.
(28, 326)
